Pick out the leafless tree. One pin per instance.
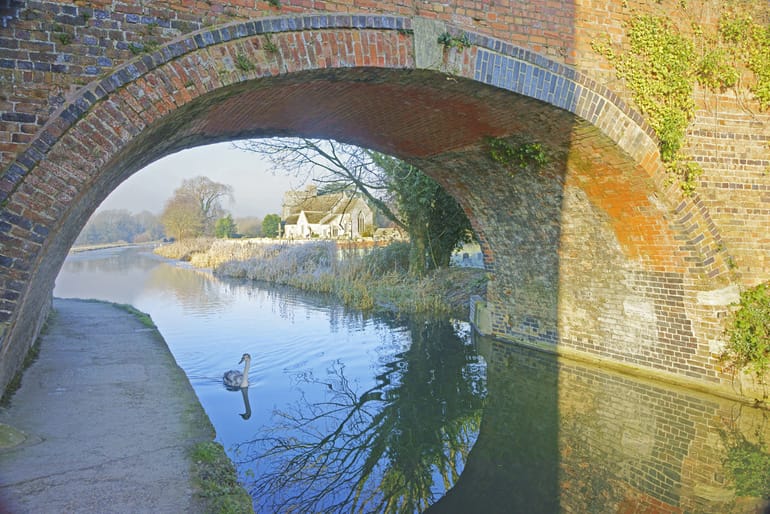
(194, 207)
(334, 166)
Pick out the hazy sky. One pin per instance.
(257, 190)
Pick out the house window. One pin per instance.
(361, 223)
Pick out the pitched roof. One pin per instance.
(314, 218)
(328, 203)
(323, 209)
(323, 203)
(292, 220)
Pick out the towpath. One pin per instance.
(104, 420)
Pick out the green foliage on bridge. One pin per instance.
(749, 332)
(661, 63)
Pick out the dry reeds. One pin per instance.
(361, 278)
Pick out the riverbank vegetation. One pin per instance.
(185, 249)
(378, 279)
(748, 345)
(400, 193)
(217, 481)
(367, 279)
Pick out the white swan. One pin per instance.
(234, 379)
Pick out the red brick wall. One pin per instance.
(595, 252)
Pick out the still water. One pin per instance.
(344, 412)
(355, 413)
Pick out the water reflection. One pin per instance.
(125, 275)
(375, 414)
(198, 292)
(563, 437)
(393, 447)
(246, 404)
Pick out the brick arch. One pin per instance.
(360, 79)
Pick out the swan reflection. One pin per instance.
(246, 405)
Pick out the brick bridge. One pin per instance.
(595, 254)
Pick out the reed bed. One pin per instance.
(370, 278)
(185, 249)
(376, 278)
(221, 251)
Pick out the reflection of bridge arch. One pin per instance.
(587, 252)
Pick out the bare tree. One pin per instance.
(334, 166)
(195, 207)
(435, 222)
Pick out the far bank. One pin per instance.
(362, 275)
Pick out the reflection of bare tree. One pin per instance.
(382, 449)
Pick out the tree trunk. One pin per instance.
(417, 246)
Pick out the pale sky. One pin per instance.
(257, 190)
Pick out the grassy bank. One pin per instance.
(375, 279)
(217, 480)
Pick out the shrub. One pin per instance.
(749, 332)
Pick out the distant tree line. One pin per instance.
(194, 210)
(113, 226)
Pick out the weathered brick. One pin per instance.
(595, 253)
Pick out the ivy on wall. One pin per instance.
(748, 332)
(661, 66)
(516, 155)
(745, 41)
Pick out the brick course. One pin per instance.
(596, 252)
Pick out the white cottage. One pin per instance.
(328, 216)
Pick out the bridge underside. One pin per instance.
(586, 252)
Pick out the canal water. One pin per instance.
(350, 412)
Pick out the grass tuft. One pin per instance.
(217, 480)
(141, 316)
